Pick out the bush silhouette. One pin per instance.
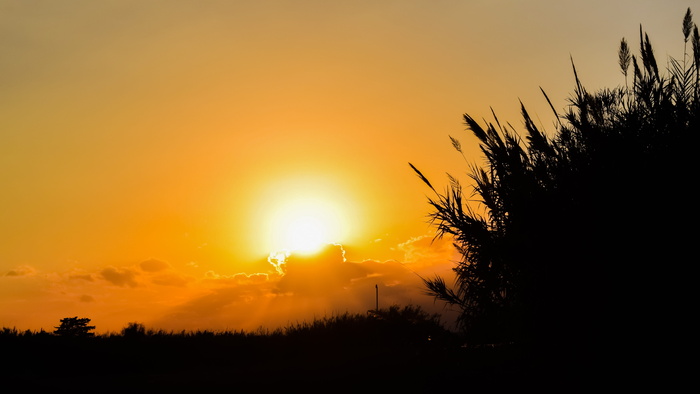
(74, 327)
(134, 330)
(583, 233)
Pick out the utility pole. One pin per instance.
(376, 297)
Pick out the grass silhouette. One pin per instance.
(397, 348)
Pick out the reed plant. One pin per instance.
(580, 235)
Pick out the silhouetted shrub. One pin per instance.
(384, 328)
(134, 330)
(585, 232)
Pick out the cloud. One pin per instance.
(85, 277)
(240, 278)
(231, 305)
(251, 278)
(320, 273)
(22, 270)
(153, 265)
(292, 288)
(86, 298)
(427, 250)
(153, 271)
(171, 279)
(301, 287)
(122, 277)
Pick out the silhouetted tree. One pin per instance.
(74, 327)
(583, 236)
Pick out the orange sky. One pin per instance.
(153, 153)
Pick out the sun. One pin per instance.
(302, 214)
(304, 232)
(305, 225)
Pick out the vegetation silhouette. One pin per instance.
(583, 237)
(74, 327)
(398, 348)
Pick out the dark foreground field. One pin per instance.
(350, 353)
(217, 363)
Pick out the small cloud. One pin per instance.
(318, 273)
(171, 280)
(22, 270)
(86, 298)
(277, 260)
(212, 275)
(427, 250)
(153, 265)
(240, 278)
(85, 277)
(119, 277)
(251, 278)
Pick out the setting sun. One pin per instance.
(304, 225)
(302, 213)
(303, 232)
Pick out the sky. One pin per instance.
(230, 165)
